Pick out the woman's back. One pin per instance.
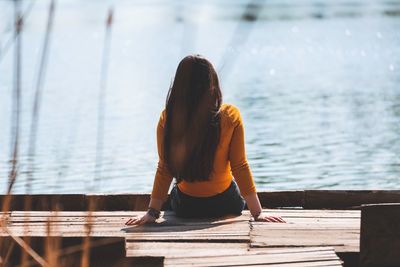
(229, 161)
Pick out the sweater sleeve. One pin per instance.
(237, 157)
(163, 177)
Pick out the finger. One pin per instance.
(276, 218)
(133, 221)
(281, 220)
(130, 220)
(268, 219)
(273, 219)
(264, 219)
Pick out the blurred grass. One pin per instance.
(53, 250)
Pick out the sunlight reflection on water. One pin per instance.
(317, 83)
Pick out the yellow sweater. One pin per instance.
(230, 161)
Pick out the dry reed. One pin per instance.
(10, 41)
(100, 136)
(15, 118)
(53, 251)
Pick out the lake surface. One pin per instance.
(317, 83)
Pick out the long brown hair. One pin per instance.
(192, 126)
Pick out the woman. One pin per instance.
(201, 143)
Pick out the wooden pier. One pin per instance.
(311, 237)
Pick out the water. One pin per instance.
(317, 83)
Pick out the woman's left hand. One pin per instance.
(147, 218)
(269, 218)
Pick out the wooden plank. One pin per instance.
(317, 221)
(248, 260)
(311, 223)
(65, 219)
(288, 250)
(113, 224)
(320, 212)
(191, 233)
(76, 202)
(345, 199)
(278, 199)
(304, 213)
(342, 241)
(67, 231)
(66, 224)
(167, 215)
(309, 227)
(19, 213)
(380, 235)
(337, 229)
(172, 236)
(189, 249)
(259, 259)
(172, 228)
(167, 224)
(309, 199)
(327, 263)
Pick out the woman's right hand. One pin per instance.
(147, 218)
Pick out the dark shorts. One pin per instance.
(229, 202)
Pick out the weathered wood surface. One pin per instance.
(339, 229)
(380, 235)
(66, 224)
(219, 240)
(347, 199)
(305, 240)
(171, 236)
(80, 202)
(170, 228)
(307, 199)
(287, 257)
(189, 249)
